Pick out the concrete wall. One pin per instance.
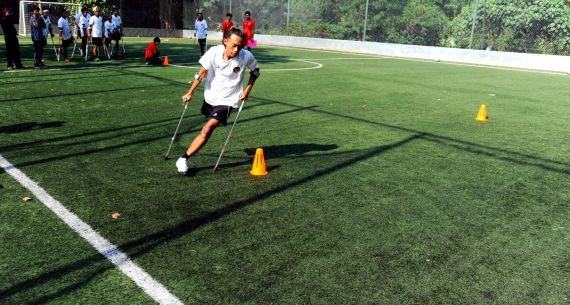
(491, 58)
(552, 63)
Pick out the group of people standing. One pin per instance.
(102, 34)
(152, 53)
(201, 29)
(83, 26)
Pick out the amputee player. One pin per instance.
(223, 70)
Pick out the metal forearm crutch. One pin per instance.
(176, 131)
(229, 135)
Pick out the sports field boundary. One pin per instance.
(149, 285)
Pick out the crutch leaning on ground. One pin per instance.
(223, 70)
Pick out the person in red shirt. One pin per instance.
(248, 29)
(152, 53)
(227, 24)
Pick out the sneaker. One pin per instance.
(37, 67)
(10, 68)
(181, 165)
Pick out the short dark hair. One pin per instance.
(229, 14)
(156, 39)
(34, 7)
(247, 13)
(235, 31)
(61, 11)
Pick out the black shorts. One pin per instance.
(116, 36)
(97, 41)
(67, 43)
(220, 113)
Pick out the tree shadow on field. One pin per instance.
(22, 127)
(270, 152)
(278, 151)
(145, 244)
(471, 147)
(159, 136)
(77, 94)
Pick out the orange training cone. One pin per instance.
(258, 168)
(165, 62)
(482, 115)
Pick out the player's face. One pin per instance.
(233, 45)
(247, 16)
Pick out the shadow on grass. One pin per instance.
(163, 135)
(142, 245)
(471, 147)
(22, 127)
(84, 93)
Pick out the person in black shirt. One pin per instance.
(11, 39)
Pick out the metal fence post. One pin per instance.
(473, 24)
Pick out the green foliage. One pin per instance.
(105, 6)
(520, 26)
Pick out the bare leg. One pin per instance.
(203, 137)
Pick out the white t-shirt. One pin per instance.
(224, 82)
(109, 26)
(116, 21)
(48, 22)
(83, 22)
(96, 25)
(63, 26)
(201, 28)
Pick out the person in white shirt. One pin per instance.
(47, 30)
(95, 31)
(64, 33)
(109, 26)
(223, 68)
(83, 24)
(201, 31)
(118, 30)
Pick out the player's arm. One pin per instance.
(197, 80)
(253, 75)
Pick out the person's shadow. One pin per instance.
(27, 126)
(272, 152)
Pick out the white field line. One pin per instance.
(317, 66)
(148, 284)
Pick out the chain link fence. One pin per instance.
(527, 26)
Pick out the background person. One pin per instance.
(83, 23)
(223, 68)
(248, 29)
(11, 39)
(64, 33)
(38, 25)
(152, 53)
(201, 31)
(118, 29)
(108, 28)
(95, 31)
(227, 24)
(47, 30)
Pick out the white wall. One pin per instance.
(551, 63)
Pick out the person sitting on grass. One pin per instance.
(223, 68)
(152, 53)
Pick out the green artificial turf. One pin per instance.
(382, 187)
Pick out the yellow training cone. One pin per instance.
(259, 168)
(482, 115)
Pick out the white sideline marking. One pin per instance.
(317, 66)
(149, 285)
